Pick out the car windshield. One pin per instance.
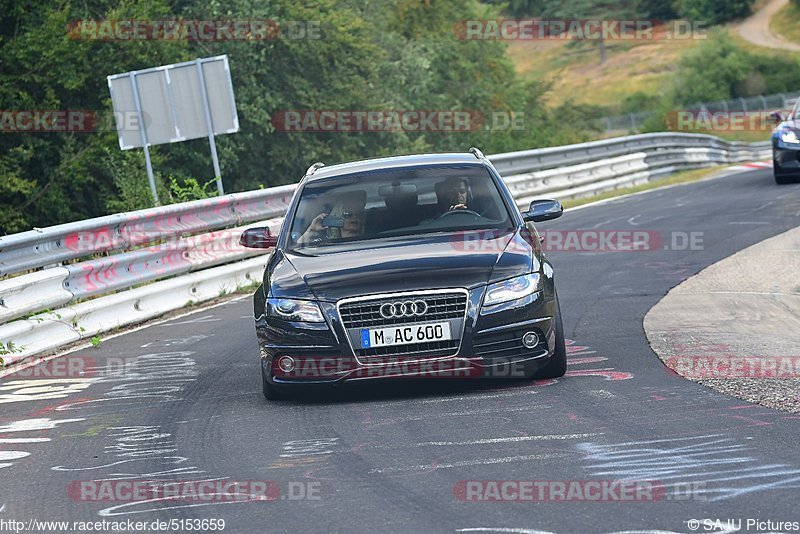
(354, 211)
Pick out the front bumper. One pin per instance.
(490, 346)
(785, 158)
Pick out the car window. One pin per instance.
(355, 210)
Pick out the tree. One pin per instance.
(49, 178)
(607, 10)
(370, 56)
(713, 12)
(717, 69)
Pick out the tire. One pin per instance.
(776, 169)
(557, 366)
(780, 180)
(270, 391)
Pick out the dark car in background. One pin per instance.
(786, 146)
(406, 267)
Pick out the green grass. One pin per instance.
(683, 177)
(577, 75)
(786, 23)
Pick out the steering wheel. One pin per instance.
(451, 212)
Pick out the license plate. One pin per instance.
(404, 334)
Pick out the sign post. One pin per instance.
(143, 134)
(207, 113)
(175, 103)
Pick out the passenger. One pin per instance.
(351, 209)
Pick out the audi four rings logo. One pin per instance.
(409, 308)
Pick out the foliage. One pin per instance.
(712, 12)
(718, 69)
(610, 10)
(191, 189)
(371, 56)
(49, 178)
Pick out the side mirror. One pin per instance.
(543, 210)
(258, 238)
(776, 116)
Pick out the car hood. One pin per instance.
(433, 262)
(792, 125)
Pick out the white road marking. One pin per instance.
(308, 447)
(13, 455)
(513, 439)
(601, 393)
(525, 391)
(203, 319)
(34, 424)
(501, 409)
(704, 460)
(17, 367)
(598, 225)
(24, 440)
(465, 463)
(45, 389)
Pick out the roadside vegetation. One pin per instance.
(663, 75)
(785, 22)
(402, 55)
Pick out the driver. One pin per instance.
(454, 194)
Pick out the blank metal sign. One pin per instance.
(172, 102)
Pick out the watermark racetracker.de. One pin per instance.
(581, 240)
(343, 121)
(590, 29)
(212, 30)
(68, 121)
(595, 490)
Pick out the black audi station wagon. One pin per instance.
(406, 267)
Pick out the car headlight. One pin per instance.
(513, 289)
(304, 311)
(789, 136)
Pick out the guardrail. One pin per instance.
(190, 251)
(632, 122)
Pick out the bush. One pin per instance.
(719, 70)
(712, 12)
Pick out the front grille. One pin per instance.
(366, 313)
(441, 307)
(431, 349)
(507, 344)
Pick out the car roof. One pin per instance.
(394, 162)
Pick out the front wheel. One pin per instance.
(557, 366)
(776, 169)
(271, 392)
(780, 180)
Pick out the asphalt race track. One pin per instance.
(396, 458)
